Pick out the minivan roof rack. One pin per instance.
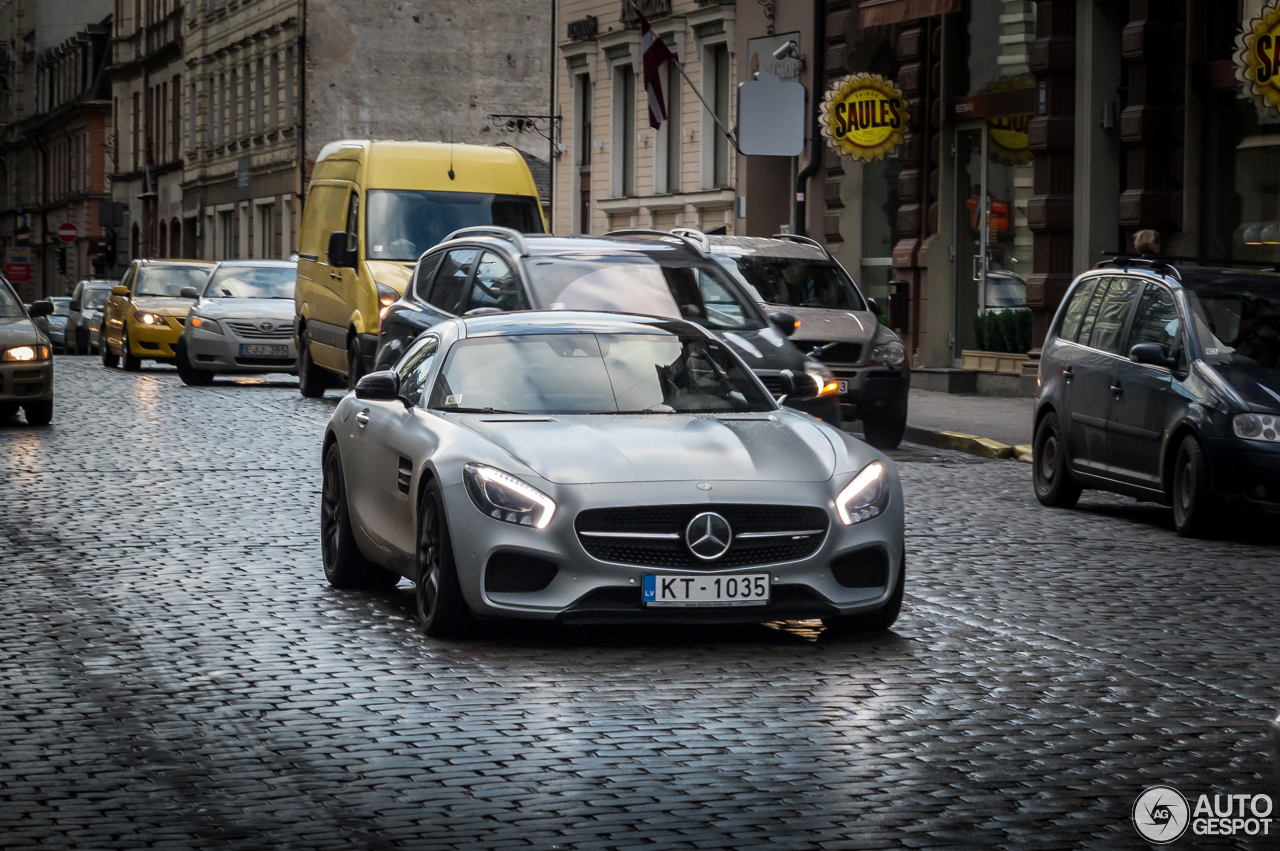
(509, 234)
(1168, 261)
(803, 240)
(696, 235)
(692, 243)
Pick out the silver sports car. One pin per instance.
(595, 467)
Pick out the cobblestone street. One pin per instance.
(175, 672)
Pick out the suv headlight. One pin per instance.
(822, 377)
(210, 325)
(889, 353)
(386, 297)
(22, 354)
(504, 497)
(866, 496)
(1263, 427)
(148, 318)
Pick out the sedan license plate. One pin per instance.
(742, 590)
(263, 351)
(843, 388)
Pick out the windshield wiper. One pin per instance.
(483, 411)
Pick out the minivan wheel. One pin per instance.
(1053, 483)
(355, 364)
(311, 381)
(1194, 510)
(344, 565)
(442, 610)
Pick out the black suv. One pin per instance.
(481, 270)
(1162, 382)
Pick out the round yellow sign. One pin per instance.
(864, 116)
(1258, 57)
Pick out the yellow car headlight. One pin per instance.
(23, 354)
(148, 318)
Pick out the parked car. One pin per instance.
(838, 326)
(242, 322)
(26, 359)
(85, 320)
(1162, 382)
(144, 315)
(372, 209)
(600, 467)
(487, 270)
(54, 325)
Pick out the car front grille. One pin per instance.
(654, 535)
(831, 353)
(252, 331)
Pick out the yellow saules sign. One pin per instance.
(864, 116)
(1258, 57)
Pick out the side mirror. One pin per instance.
(75, 305)
(784, 322)
(338, 256)
(1153, 354)
(796, 387)
(381, 386)
(873, 306)
(189, 292)
(40, 308)
(119, 290)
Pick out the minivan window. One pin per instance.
(400, 224)
(452, 278)
(1074, 314)
(1240, 328)
(1156, 320)
(1112, 312)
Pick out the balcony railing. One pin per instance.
(650, 8)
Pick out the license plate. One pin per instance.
(701, 590)
(843, 387)
(263, 351)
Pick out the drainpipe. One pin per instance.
(799, 207)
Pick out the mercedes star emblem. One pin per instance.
(708, 536)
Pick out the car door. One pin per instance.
(383, 472)
(1143, 395)
(348, 279)
(114, 311)
(320, 291)
(1088, 377)
(494, 287)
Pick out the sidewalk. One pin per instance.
(983, 425)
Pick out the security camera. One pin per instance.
(786, 50)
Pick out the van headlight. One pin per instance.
(1262, 427)
(504, 497)
(386, 297)
(866, 496)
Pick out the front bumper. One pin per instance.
(154, 341)
(26, 382)
(587, 589)
(1245, 473)
(223, 353)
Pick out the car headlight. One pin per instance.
(866, 496)
(386, 297)
(890, 353)
(504, 497)
(822, 377)
(23, 354)
(1263, 427)
(148, 318)
(210, 325)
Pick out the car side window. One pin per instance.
(415, 367)
(1113, 310)
(353, 222)
(494, 285)
(452, 278)
(1074, 313)
(1156, 320)
(427, 267)
(722, 308)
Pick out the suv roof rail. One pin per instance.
(1168, 261)
(803, 240)
(511, 235)
(692, 243)
(696, 235)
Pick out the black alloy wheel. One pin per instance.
(344, 565)
(1053, 482)
(355, 363)
(109, 360)
(128, 360)
(311, 381)
(190, 376)
(884, 434)
(881, 619)
(442, 610)
(1194, 510)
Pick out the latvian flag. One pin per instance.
(653, 53)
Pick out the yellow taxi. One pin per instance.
(144, 317)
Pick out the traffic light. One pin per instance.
(62, 260)
(107, 250)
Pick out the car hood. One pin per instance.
(777, 446)
(392, 273)
(18, 331)
(162, 305)
(1260, 388)
(247, 308)
(825, 325)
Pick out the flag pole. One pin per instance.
(733, 140)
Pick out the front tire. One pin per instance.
(1194, 509)
(109, 360)
(129, 360)
(1053, 483)
(355, 363)
(442, 610)
(38, 413)
(82, 341)
(344, 565)
(881, 619)
(884, 434)
(311, 381)
(190, 376)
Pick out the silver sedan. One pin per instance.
(242, 322)
(586, 467)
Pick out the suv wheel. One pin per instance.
(884, 433)
(1054, 485)
(1194, 510)
(355, 364)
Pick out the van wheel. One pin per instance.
(130, 362)
(311, 381)
(344, 565)
(355, 364)
(1194, 510)
(109, 360)
(1053, 483)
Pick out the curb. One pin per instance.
(972, 444)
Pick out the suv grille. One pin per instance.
(251, 331)
(762, 534)
(829, 353)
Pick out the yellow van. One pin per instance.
(372, 209)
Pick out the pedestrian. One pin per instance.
(1147, 241)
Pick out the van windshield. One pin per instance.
(403, 223)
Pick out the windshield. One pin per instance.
(10, 306)
(1237, 329)
(596, 374)
(61, 306)
(169, 280)
(797, 283)
(637, 283)
(402, 223)
(94, 298)
(252, 282)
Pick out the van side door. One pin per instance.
(318, 296)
